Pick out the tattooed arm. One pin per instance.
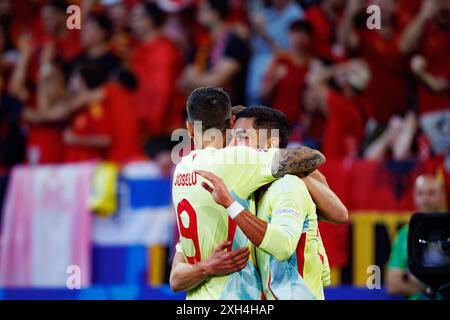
(296, 161)
(302, 162)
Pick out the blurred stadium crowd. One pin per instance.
(116, 88)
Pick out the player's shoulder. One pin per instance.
(235, 154)
(288, 183)
(234, 149)
(195, 155)
(204, 159)
(289, 179)
(186, 163)
(244, 152)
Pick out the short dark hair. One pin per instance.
(221, 7)
(268, 118)
(155, 13)
(211, 106)
(92, 74)
(104, 23)
(59, 5)
(236, 109)
(302, 26)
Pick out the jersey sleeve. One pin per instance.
(246, 169)
(399, 251)
(326, 272)
(289, 205)
(178, 247)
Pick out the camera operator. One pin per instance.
(429, 197)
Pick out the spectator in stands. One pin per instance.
(396, 142)
(88, 136)
(126, 136)
(284, 83)
(156, 63)
(107, 126)
(181, 26)
(271, 26)
(54, 16)
(221, 61)
(428, 35)
(429, 197)
(95, 36)
(345, 108)
(27, 82)
(387, 90)
(45, 136)
(19, 86)
(44, 139)
(324, 17)
(110, 107)
(118, 12)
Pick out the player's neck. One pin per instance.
(212, 143)
(199, 146)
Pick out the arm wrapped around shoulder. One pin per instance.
(296, 161)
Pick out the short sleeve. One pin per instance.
(399, 250)
(326, 272)
(291, 192)
(178, 247)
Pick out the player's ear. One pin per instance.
(273, 142)
(190, 129)
(232, 120)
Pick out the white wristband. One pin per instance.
(234, 209)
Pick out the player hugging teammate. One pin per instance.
(248, 211)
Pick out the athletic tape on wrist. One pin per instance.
(234, 209)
